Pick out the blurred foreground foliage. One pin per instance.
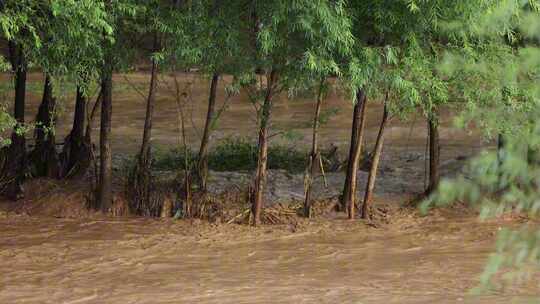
(502, 63)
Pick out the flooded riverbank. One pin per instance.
(437, 259)
(53, 251)
(238, 119)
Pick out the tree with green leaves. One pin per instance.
(21, 35)
(380, 28)
(218, 41)
(149, 23)
(119, 15)
(288, 40)
(63, 56)
(314, 159)
(77, 58)
(179, 41)
(399, 45)
(500, 61)
(36, 33)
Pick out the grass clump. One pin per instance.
(235, 154)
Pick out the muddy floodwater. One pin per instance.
(403, 164)
(238, 119)
(412, 260)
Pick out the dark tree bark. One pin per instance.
(90, 118)
(181, 98)
(15, 162)
(76, 150)
(377, 151)
(348, 199)
(140, 183)
(44, 157)
(45, 116)
(188, 201)
(262, 150)
(79, 117)
(434, 154)
(500, 157)
(500, 146)
(314, 155)
(95, 181)
(202, 166)
(105, 176)
(144, 155)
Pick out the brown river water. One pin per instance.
(239, 118)
(412, 260)
(434, 259)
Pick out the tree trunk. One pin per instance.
(45, 159)
(500, 157)
(500, 147)
(434, 154)
(76, 152)
(349, 189)
(140, 183)
(15, 164)
(90, 118)
(203, 151)
(188, 202)
(90, 115)
(105, 178)
(144, 155)
(79, 117)
(366, 207)
(44, 119)
(262, 150)
(314, 155)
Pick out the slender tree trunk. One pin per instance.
(181, 98)
(262, 150)
(434, 154)
(105, 177)
(500, 158)
(203, 151)
(90, 118)
(90, 115)
(349, 189)
(75, 153)
(188, 202)
(314, 155)
(79, 117)
(140, 183)
(500, 146)
(366, 207)
(14, 170)
(44, 157)
(144, 155)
